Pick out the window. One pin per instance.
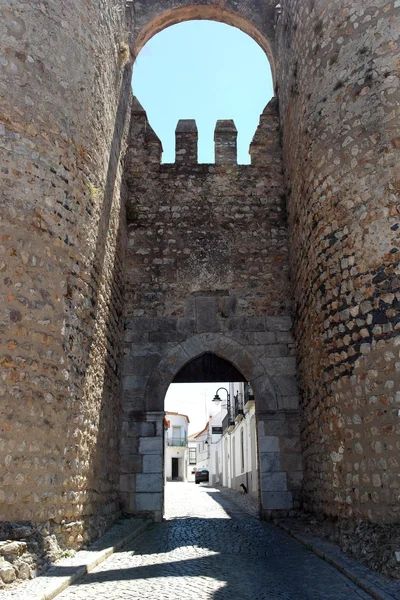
(192, 456)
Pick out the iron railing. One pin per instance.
(177, 442)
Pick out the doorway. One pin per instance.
(175, 469)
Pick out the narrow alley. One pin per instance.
(208, 548)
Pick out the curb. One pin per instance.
(68, 571)
(377, 586)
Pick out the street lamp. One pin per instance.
(228, 402)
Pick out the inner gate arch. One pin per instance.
(279, 456)
(258, 22)
(223, 346)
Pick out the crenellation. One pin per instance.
(225, 138)
(186, 142)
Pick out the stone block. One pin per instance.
(291, 444)
(128, 502)
(276, 500)
(295, 480)
(286, 385)
(134, 383)
(140, 429)
(285, 337)
(227, 306)
(140, 366)
(285, 365)
(288, 402)
(7, 572)
(155, 416)
(206, 314)
(247, 324)
(264, 337)
(166, 324)
(270, 461)
(157, 337)
(190, 308)
(127, 482)
(292, 462)
(141, 324)
(150, 502)
(278, 323)
(275, 350)
(152, 463)
(266, 399)
(294, 426)
(273, 482)
(136, 338)
(186, 326)
(276, 427)
(133, 401)
(129, 445)
(132, 463)
(268, 443)
(151, 445)
(146, 482)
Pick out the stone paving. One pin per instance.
(209, 548)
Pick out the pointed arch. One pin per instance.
(223, 346)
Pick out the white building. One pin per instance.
(199, 451)
(176, 446)
(227, 446)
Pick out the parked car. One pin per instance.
(201, 475)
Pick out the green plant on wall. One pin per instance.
(94, 192)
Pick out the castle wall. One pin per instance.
(207, 271)
(339, 104)
(65, 90)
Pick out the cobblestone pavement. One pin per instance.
(209, 548)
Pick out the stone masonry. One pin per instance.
(339, 94)
(209, 246)
(117, 270)
(64, 99)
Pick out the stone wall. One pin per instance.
(339, 104)
(65, 91)
(207, 271)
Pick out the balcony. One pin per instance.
(177, 442)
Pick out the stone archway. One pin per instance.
(256, 21)
(278, 427)
(221, 345)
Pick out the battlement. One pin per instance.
(145, 148)
(186, 142)
(225, 138)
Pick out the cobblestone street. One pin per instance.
(208, 548)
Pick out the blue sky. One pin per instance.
(205, 71)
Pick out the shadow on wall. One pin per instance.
(101, 387)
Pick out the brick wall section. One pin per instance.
(219, 229)
(65, 92)
(339, 103)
